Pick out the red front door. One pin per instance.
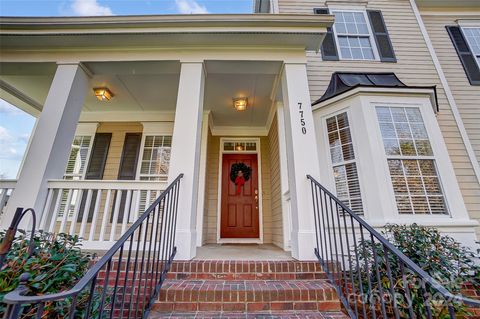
(239, 217)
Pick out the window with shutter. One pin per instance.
(95, 170)
(467, 51)
(342, 157)
(328, 48)
(382, 39)
(411, 161)
(75, 170)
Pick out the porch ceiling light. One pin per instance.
(240, 104)
(103, 94)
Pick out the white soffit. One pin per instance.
(286, 30)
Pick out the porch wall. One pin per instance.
(118, 130)
(275, 185)
(271, 226)
(414, 67)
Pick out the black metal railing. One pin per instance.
(373, 279)
(125, 282)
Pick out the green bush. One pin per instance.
(440, 256)
(56, 265)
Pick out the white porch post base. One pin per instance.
(185, 157)
(302, 157)
(50, 145)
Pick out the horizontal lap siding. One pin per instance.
(467, 98)
(276, 191)
(414, 67)
(118, 130)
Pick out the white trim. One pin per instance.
(469, 23)
(202, 177)
(357, 5)
(376, 56)
(128, 116)
(285, 197)
(473, 26)
(152, 129)
(448, 93)
(86, 129)
(260, 190)
(239, 131)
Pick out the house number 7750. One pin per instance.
(302, 120)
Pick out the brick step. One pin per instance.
(255, 315)
(246, 296)
(246, 270)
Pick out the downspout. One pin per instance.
(448, 92)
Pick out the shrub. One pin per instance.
(440, 256)
(56, 265)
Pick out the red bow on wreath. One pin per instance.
(239, 181)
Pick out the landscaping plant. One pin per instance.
(56, 265)
(443, 258)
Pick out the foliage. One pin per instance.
(444, 259)
(56, 265)
(246, 170)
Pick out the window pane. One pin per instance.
(345, 174)
(156, 157)
(78, 157)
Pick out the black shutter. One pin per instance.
(128, 168)
(98, 158)
(380, 33)
(96, 167)
(466, 56)
(328, 48)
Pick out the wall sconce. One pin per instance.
(240, 104)
(103, 94)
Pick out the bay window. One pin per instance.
(343, 162)
(411, 162)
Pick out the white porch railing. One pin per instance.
(97, 211)
(6, 188)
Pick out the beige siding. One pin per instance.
(276, 190)
(467, 97)
(212, 196)
(118, 130)
(414, 67)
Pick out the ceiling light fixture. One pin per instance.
(103, 94)
(240, 104)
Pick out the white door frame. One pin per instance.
(260, 195)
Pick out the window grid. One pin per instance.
(78, 157)
(354, 38)
(473, 38)
(344, 167)
(411, 163)
(155, 158)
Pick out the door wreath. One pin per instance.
(239, 174)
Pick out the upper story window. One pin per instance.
(411, 163)
(472, 35)
(155, 157)
(353, 35)
(466, 41)
(357, 35)
(343, 162)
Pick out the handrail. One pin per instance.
(322, 202)
(105, 184)
(163, 213)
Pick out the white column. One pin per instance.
(50, 145)
(282, 150)
(302, 157)
(185, 156)
(202, 178)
